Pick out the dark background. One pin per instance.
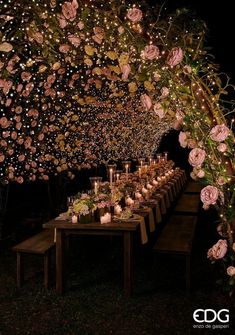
(219, 16)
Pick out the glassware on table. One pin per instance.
(95, 182)
(111, 168)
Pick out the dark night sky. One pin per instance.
(219, 17)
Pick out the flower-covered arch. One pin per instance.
(84, 82)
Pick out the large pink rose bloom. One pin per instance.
(134, 15)
(209, 196)
(218, 250)
(98, 34)
(231, 271)
(183, 139)
(146, 101)
(219, 133)
(69, 10)
(150, 52)
(197, 157)
(76, 41)
(175, 56)
(126, 69)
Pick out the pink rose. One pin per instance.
(26, 76)
(20, 180)
(76, 41)
(4, 122)
(18, 110)
(50, 79)
(165, 92)
(209, 195)
(6, 85)
(221, 181)
(62, 21)
(183, 139)
(222, 147)
(146, 101)
(197, 157)
(175, 56)
(2, 158)
(134, 15)
(98, 35)
(80, 25)
(187, 69)
(192, 144)
(19, 88)
(150, 52)
(21, 158)
(159, 111)
(53, 3)
(200, 173)
(38, 37)
(156, 76)
(8, 102)
(69, 10)
(231, 271)
(14, 135)
(64, 48)
(121, 30)
(126, 69)
(41, 137)
(219, 133)
(218, 250)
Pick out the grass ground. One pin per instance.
(94, 303)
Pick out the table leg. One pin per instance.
(59, 261)
(20, 269)
(128, 263)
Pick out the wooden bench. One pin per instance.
(177, 238)
(193, 187)
(40, 244)
(188, 204)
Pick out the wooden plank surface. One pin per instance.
(177, 236)
(37, 244)
(129, 225)
(193, 187)
(188, 203)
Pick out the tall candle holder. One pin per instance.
(141, 161)
(117, 175)
(111, 168)
(126, 167)
(95, 182)
(165, 155)
(151, 160)
(139, 169)
(159, 157)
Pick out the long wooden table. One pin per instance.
(124, 229)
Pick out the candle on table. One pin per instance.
(74, 219)
(117, 176)
(126, 167)
(117, 209)
(96, 187)
(111, 176)
(106, 218)
(139, 171)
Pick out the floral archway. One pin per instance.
(83, 83)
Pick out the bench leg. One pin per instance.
(188, 273)
(19, 269)
(47, 262)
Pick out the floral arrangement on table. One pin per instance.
(102, 200)
(82, 205)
